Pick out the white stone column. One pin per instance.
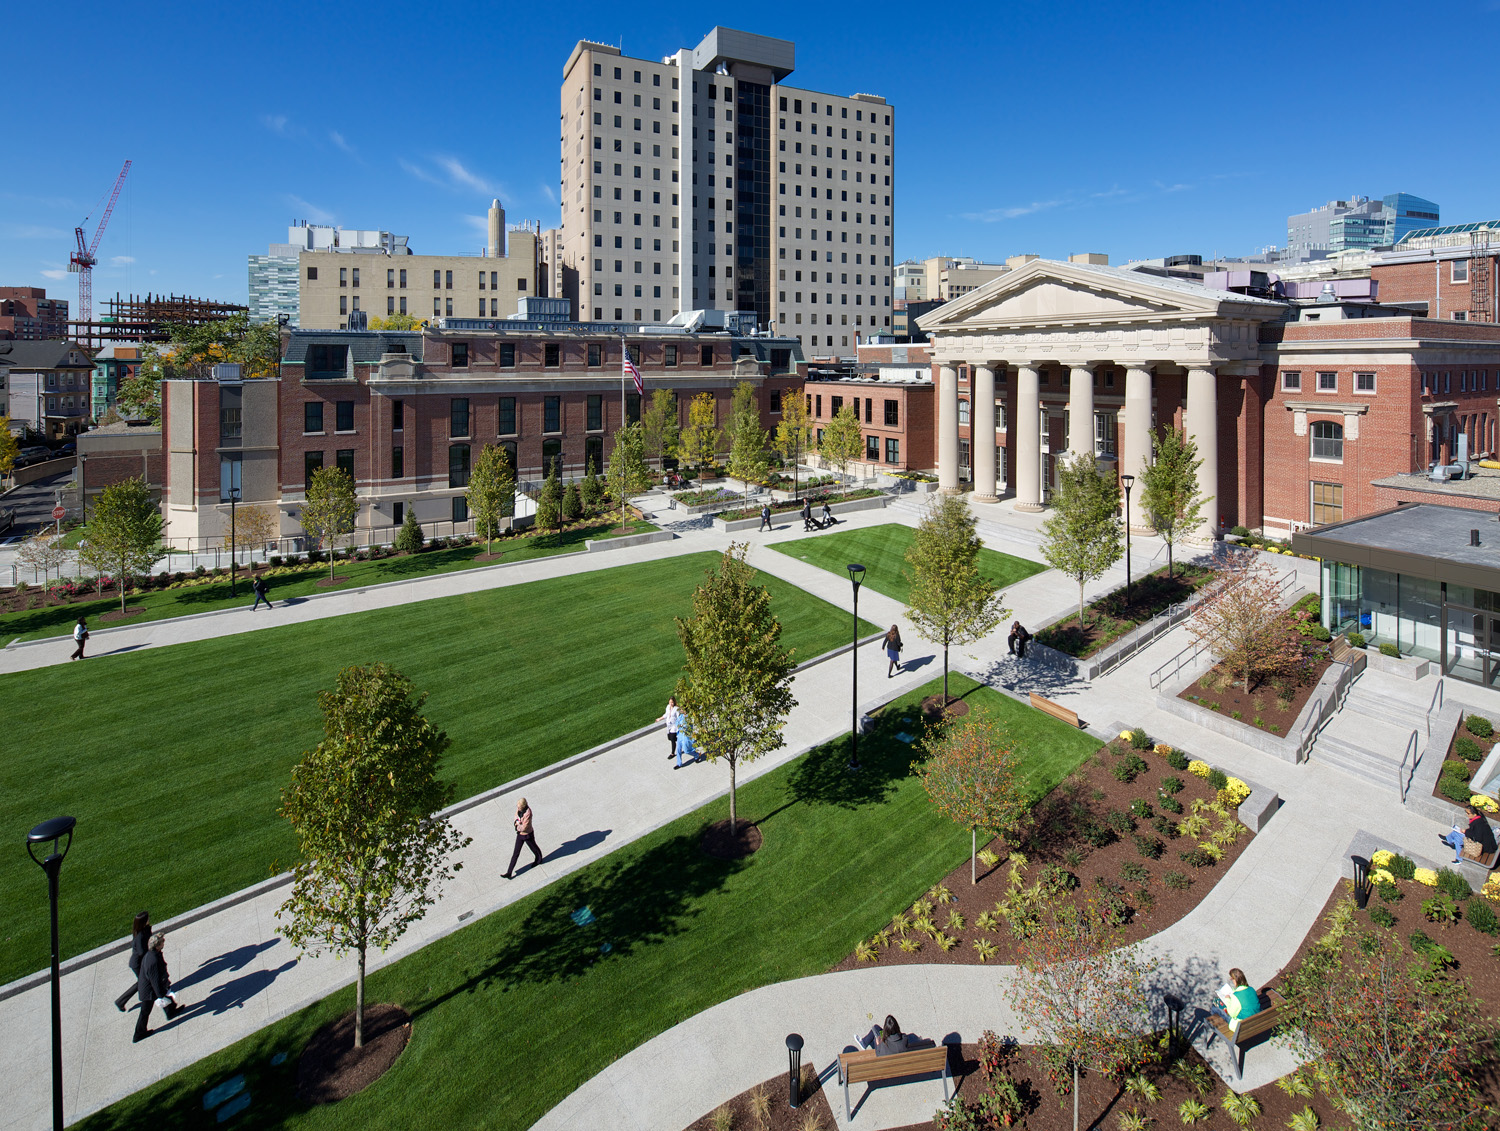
(1026, 436)
(948, 430)
(1137, 455)
(1081, 411)
(982, 433)
(1202, 420)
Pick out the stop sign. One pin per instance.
(58, 512)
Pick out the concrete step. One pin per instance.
(1357, 761)
(1375, 705)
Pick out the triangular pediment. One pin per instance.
(1049, 300)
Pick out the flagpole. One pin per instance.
(624, 355)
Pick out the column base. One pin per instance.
(1143, 531)
(978, 498)
(1030, 508)
(950, 491)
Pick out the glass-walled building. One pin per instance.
(1425, 578)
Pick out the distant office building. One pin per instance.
(26, 313)
(1357, 223)
(911, 281)
(702, 181)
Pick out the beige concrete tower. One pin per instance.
(496, 249)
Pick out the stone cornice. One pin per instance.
(1336, 408)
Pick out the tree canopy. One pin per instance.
(659, 421)
(1082, 538)
(794, 431)
(191, 351)
(124, 532)
(971, 774)
(747, 451)
(1169, 488)
(843, 442)
(329, 511)
(492, 489)
(700, 441)
(627, 473)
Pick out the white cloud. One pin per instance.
(339, 140)
(308, 211)
(54, 273)
(31, 232)
(480, 224)
(121, 260)
(420, 173)
(993, 215)
(549, 194)
(462, 176)
(279, 124)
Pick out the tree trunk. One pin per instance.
(120, 583)
(359, 985)
(1075, 1097)
(1080, 605)
(945, 674)
(973, 856)
(331, 545)
(733, 815)
(1169, 559)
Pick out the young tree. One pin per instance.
(950, 600)
(1242, 623)
(572, 503)
(1396, 1045)
(492, 490)
(9, 448)
(549, 502)
(1082, 538)
(330, 508)
(970, 774)
(736, 690)
(1080, 990)
(409, 537)
(701, 439)
(396, 322)
(42, 552)
(627, 473)
(659, 422)
(254, 527)
(1169, 488)
(794, 432)
(592, 491)
(193, 351)
(747, 451)
(364, 806)
(843, 442)
(124, 533)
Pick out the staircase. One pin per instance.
(1370, 735)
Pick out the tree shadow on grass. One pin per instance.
(823, 777)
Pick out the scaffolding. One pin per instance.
(137, 319)
(1481, 291)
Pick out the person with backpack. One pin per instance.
(80, 637)
(827, 516)
(259, 588)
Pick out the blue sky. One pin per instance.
(1132, 129)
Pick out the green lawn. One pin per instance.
(514, 1012)
(57, 620)
(882, 551)
(173, 759)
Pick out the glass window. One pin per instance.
(551, 457)
(312, 418)
(344, 416)
(459, 416)
(398, 415)
(229, 478)
(1328, 382)
(775, 402)
(1365, 383)
(1327, 440)
(460, 508)
(872, 448)
(398, 510)
(963, 413)
(311, 462)
(593, 453)
(1327, 503)
(460, 355)
(229, 422)
(398, 462)
(507, 355)
(552, 414)
(458, 465)
(1291, 381)
(669, 354)
(596, 352)
(706, 355)
(632, 408)
(1104, 434)
(344, 460)
(507, 416)
(551, 357)
(596, 412)
(890, 414)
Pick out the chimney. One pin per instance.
(1473, 537)
(496, 249)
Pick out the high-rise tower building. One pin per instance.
(702, 181)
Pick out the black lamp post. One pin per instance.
(794, 1068)
(856, 576)
(1129, 482)
(234, 542)
(59, 831)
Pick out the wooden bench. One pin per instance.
(864, 1067)
(1256, 1025)
(1056, 710)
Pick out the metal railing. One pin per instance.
(1192, 651)
(1435, 705)
(1403, 776)
(1338, 695)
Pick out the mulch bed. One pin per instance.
(1471, 760)
(1056, 839)
(932, 706)
(116, 614)
(812, 1113)
(325, 582)
(718, 842)
(1110, 618)
(331, 1067)
(1222, 690)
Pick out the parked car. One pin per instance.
(29, 456)
(68, 449)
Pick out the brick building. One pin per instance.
(894, 405)
(28, 314)
(407, 413)
(127, 449)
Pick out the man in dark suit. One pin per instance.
(155, 983)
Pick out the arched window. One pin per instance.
(1327, 440)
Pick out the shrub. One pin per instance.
(1199, 769)
(1321, 633)
(1401, 867)
(1162, 749)
(1134, 873)
(1240, 531)
(1481, 917)
(1388, 892)
(1465, 747)
(1171, 805)
(1389, 649)
(1479, 725)
(1486, 804)
(1439, 909)
(1455, 767)
(1381, 917)
(1177, 760)
(1171, 785)
(1164, 826)
(200, 572)
(1218, 779)
(1128, 768)
(1148, 846)
(1454, 789)
(1356, 639)
(1454, 886)
(1196, 858)
(1425, 876)
(1096, 834)
(1120, 821)
(1139, 739)
(1142, 808)
(1438, 957)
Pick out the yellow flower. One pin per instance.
(1234, 793)
(1381, 876)
(1480, 801)
(1126, 735)
(1162, 748)
(1199, 769)
(1491, 889)
(1382, 857)
(1426, 876)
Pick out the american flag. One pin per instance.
(635, 374)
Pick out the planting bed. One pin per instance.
(1055, 850)
(1466, 750)
(817, 498)
(765, 1107)
(1110, 618)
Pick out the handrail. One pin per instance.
(1403, 778)
(1302, 738)
(1435, 705)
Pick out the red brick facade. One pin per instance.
(1432, 282)
(912, 405)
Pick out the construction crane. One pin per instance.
(83, 259)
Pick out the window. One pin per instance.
(872, 448)
(818, 406)
(325, 361)
(551, 356)
(552, 414)
(706, 355)
(507, 416)
(963, 413)
(343, 416)
(1291, 381)
(344, 460)
(596, 412)
(311, 462)
(1328, 382)
(312, 418)
(1458, 271)
(458, 465)
(458, 410)
(1104, 434)
(403, 282)
(507, 355)
(460, 510)
(1327, 440)
(1327, 503)
(632, 408)
(669, 354)
(1364, 382)
(449, 280)
(460, 355)
(398, 415)
(398, 513)
(312, 274)
(891, 418)
(343, 276)
(229, 421)
(775, 402)
(229, 478)
(892, 450)
(596, 355)
(356, 276)
(398, 462)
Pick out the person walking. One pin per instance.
(827, 515)
(140, 938)
(685, 746)
(80, 637)
(155, 987)
(807, 518)
(893, 651)
(525, 835)
(259, 588)
(673, 718)
(765, 517)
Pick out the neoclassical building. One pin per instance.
(1079, 357)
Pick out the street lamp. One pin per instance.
(856, 576)
(1129, 482)
(59, 830)
(794, 1069)
(234, 542)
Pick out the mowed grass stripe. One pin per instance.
(513, 1013)
(882, 551)
(173, 760)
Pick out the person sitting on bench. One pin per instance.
(1238, 998)
(889, 1038)
(1478, 831)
